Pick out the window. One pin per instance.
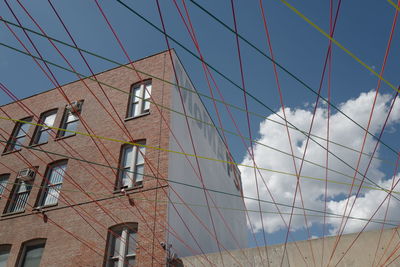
(237, 178)
(131, 166)
(19, 195)
(139, 99)
(42, 132)
(121, 246)
(31, 253)
(70, 119)
(229, 159)
(52, 184)
(4, 253)
(19, 134)
(3, 184)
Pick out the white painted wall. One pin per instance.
(362, 253)
(208, 143)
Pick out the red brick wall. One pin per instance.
(62, 249)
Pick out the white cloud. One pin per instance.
(342, 131)
(365, 207)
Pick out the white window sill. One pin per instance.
(128, 189)
(137, 116)
(12, 213)
(44, 207)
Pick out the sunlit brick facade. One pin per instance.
(86, 202)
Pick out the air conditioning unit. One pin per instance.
(26, 174)
(75, 106)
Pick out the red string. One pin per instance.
(246, 147)
(121, 125)
(327, 129)
(75, 184)
(63, 198)
(80, 188)
(394, 252)
(167, 124)
(57, 50)
(191, 140)
(124, 129)
(30, 54)
(106, 212)
(376, 211)
(248, 122)
(192, 34)
(57, 84)
(341, 229)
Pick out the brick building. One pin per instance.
(103, 185)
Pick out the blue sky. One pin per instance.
(363, 27)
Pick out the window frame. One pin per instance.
(43, 195)
(39, 130)
(237, 179)
(3, 185)
(64, 121)
(229, 167)
(143, 99)
(123, 232)
(133, 166)
(15, 135)
(12, 200)
(30, 243)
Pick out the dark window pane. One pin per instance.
(131, 243)
(33, 255)
(23, 130)
(113, 263)
(43, 137)
(117, 244)
(18, 142)
(4, 253)
(139, 173)
(18, 137)
(71, 126)
(66, 133)
(130, 262)
(3, 184)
